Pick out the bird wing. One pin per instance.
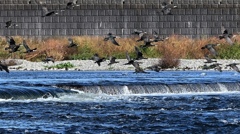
(74, 1)
(136, 65)
(164, 4)
(139, 54)
(26, 46)
(4, 67)
(235, 68)
(106, 39)
(229, 40)
(213, 51)
(223, 30)
(127, 56)
(96, 57)
(45, 10)
(70, 5)
(10, 40)
(114, 41)
(207, 58)
(70, 40)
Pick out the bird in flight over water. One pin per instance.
(4, 67)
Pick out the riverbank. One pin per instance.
(89, 65)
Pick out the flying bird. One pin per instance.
(47, 13)
(225, 35)
(167, 8)
(139, 54)
(111, 38)
(10, 24)
(156, 37)
(138, 69)
(211, 48)
(112, 60)
(71, 43)
(12, 45)
(137, 32)
(209, 60)
(4, 67)
(28, 50)
(70, 5)
(98, 59)
(216, 66)
(147, 43)
(130, 61)
(234, 66)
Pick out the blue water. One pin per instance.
(120, 102)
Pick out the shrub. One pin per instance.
(61, 66)
(176, 46)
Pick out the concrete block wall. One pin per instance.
(193, 18)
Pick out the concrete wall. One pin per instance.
(193, 18)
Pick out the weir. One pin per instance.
(32, 93)
(159, 88)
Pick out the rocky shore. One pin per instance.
(89, 65)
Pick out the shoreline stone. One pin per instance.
(89, 65)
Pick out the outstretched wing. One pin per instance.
(114, 41)
(4, 67)
(45, 10)
(26, 46)
(10, 41)
(127, 56)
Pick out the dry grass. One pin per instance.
(174, 48)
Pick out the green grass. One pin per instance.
(229, 52)
(61, 66)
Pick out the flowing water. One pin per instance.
(119, 102)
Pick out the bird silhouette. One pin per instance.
(111, 38)
(216, 66)
(156, 37)
(98, 59)
(12, 45)
(209, 60)
(211, 48)
(138, 69)
(10, 24)
(130, 61)
(71, 43)
(28, 50)
(167, 8)
(4, 67)
(147, 43)
(112, 60)
(70, 5)
(47, 13)
(139, 54)
(234, 66)
(225, 35)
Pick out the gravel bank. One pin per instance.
(89, 65)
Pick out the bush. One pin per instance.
(176, 46)
(61, 66)
(229, 52)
